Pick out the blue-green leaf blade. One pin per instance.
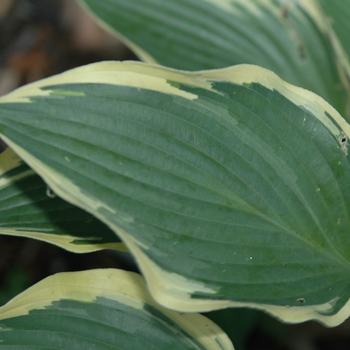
(28, 208)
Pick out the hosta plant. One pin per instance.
(220, 163)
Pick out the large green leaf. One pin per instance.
(230, 186)
(205, 34)
(101, 309)
(28, 208)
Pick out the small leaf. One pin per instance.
(29, 208)
(101, 309)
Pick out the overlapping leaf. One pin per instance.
(101, 309)
(29, 208)
(230, 187)
(205, 34)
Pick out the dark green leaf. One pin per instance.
(29, 208)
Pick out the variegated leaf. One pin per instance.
(101, 309)
(29, 208)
